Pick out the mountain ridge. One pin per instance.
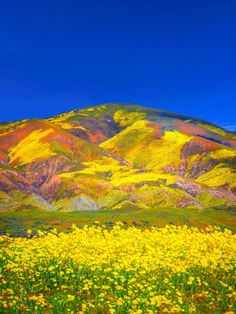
(187, 117)
(113, 156)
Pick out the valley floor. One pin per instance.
(18, 222)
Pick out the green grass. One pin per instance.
(18, 222)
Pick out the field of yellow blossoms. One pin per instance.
(121, 270)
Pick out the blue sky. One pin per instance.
(173, 55)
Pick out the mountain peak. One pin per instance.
(112, 155)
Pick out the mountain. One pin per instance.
(116, 156)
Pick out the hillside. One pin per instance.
(116, 156)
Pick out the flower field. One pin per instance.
(121, 270)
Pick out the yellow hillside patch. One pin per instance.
(68, 175)
(99, 166)
(4, 195)
(223, 153)
(68, 126)
(121, 174)
(62, 121)
(117, 174)
(65, 125)
(162, 152)
(124, 118)
(104, 165)
(31, 148)
(128, 138)
(138, 145)
(122, 178)
(218, 176)
(62, 117)
(9, 127)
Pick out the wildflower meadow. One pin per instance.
(120, 270)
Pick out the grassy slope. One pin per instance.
(16, 223)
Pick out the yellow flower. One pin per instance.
(70, 297)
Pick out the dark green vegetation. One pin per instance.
(17, 223)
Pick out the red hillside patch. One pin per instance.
(13, 137)
(96, 136)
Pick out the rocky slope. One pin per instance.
(116, 156)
